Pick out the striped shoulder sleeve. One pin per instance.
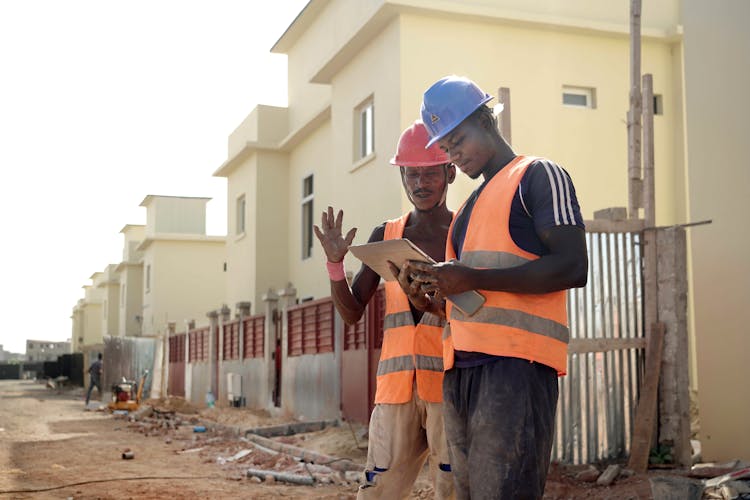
(549, 197)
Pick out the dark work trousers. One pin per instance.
(499, 422)
(95, 381)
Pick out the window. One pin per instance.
(364, 130)
(580, 97)
(148, 278)
(658, 105)
(307, 216)
(241, 215)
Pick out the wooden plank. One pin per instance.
(503, 96)
(614, 226)
(579, 346)
(645, 413)
(635, 194)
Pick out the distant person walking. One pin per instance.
(95, 373)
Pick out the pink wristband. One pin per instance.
(336, 270)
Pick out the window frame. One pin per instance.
(588, 93)
(306, 216)
(364, 130)
(240, 226)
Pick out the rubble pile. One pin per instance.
(254, 457)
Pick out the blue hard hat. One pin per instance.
(447, 103)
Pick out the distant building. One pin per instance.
(10, 356)
(45, 350)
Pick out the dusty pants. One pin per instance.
(499, 422)
(402, 437)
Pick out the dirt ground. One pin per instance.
(51, 448)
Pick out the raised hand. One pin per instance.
(329, 234)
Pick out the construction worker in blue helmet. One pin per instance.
(518, 240)
(406, 425)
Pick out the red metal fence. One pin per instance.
(231, 341)
(310, 327)
(177, 365)
(198, 346)
(253, 340)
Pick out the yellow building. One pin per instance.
(130, 273)
(357, 71)
(109, 284)
(183, 268)
(87, 317)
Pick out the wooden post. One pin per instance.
(649, 183)
(503, 96)
(635, 197)
(645, 413)
(650, 255)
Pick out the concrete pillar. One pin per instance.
(213, 330)
(270, 308)
(338, 350)
(189, 325)
(287, 299)
(674, 383)
(171, 331)
(226, 317)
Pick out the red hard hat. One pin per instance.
(411, 149)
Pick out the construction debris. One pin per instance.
(271, 476)
(609, 475)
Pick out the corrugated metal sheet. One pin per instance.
(128, 357)
(598, 396)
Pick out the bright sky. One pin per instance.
(101, 104)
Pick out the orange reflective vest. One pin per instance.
(528, 326)
(408, 350)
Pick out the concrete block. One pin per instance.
(609, 475)
(675, 488)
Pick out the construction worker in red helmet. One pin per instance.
(406, 426)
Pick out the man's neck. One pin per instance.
(437, 215)
(503, 155)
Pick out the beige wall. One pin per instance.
(90, 316)
(131, 304)
(175, 214)
(312, 156)
(535, 64)
(717, 78)
(271, 241)
(109, 285)
(130, 275)
(369, 193)
(241, 254)
(187, 280)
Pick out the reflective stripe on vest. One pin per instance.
(409, 351)
(528, 326)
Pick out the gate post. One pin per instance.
(221, 383)
(270, 302)
(189, 326)
(213, 330)
(287, 298)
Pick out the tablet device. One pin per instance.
(376, 256)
